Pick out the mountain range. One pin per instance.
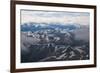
(42, 26)
(73, 44)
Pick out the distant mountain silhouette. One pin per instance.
(43, 26)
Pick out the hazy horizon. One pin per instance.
(62, 17)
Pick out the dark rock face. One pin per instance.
(54, 43)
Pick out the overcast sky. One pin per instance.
(55, 17)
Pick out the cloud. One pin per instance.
(54, 17)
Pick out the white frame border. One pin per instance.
(57, 63)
